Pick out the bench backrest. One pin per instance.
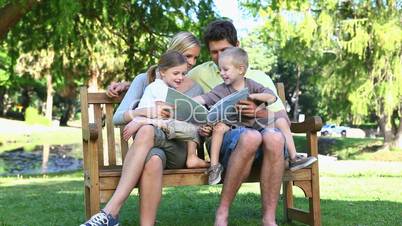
(96, 116)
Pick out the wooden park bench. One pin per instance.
(104, 151)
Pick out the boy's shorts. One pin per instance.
(232, 137)
(173, 153)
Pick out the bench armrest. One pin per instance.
(311, 124)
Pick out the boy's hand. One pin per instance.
(205, 130)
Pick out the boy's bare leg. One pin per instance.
(132, 168)
(150, 190)
(193, 161)
(283, 125)
(218, 132)
(271, 174)
(238, 169)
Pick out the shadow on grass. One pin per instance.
(61, 203)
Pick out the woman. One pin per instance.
(149, 173)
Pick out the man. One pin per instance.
(240, 146)
(243, 145)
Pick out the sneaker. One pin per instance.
(214, 174)
(101, 219)
(301, 162)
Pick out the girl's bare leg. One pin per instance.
(192, 159)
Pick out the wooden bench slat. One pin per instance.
(98, 122)
(111, 146)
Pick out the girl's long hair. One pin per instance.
(168, 60)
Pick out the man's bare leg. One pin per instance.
(238, 169)
(150, 190)
(132, 168)
(271, 174)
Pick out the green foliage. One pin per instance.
(356, 44)
(261, 56)
(33, 117)
(96, 41)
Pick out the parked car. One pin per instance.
(330, 129)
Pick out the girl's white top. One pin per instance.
(156, 91)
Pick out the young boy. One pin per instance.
(233, 64)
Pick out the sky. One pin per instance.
(230, 8)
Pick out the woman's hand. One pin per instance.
(205, 130)
(116, 89)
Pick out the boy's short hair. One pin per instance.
(237, 55)
(220, 30)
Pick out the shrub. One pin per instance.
(33, 117)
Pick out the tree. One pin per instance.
(12, 12)
(97, 41)
(360, 49)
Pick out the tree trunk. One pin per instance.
(11, 13)
(66, 113)
(398, 134)
(93, 81)
(385, 130)
(295, 97)
(2, 99)
(49, 96)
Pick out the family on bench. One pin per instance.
(261, 134)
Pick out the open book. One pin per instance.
(187, 109)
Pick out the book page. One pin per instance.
(185, 108)
(225, 109)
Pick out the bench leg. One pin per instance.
(92, 200)
(315, 209)
(287, 199)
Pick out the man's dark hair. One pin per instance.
(220, 30)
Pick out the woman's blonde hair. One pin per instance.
(183, 41)
(180, 43)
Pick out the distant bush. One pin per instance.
(33, 117)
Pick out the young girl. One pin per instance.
(169, 72)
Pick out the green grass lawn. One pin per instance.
(352, 192)
(345, 200)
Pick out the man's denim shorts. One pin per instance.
(231, 138)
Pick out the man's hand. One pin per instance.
(249, 109)
(205, 130)
(162, 110)
(115, 89)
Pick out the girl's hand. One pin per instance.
(205, 130)
(162, 110)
